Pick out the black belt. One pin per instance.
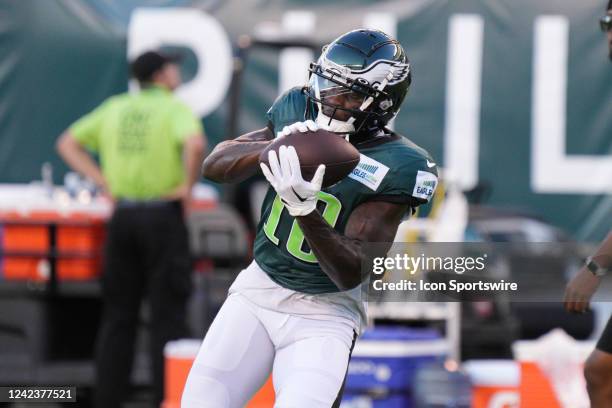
(124, 203)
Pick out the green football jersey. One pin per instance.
(391, 168)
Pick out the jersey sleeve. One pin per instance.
(287, 109)
(185, 123)
(88, 129)
(413, 182)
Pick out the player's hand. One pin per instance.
(285, 176)
(307, 126)
(580, 290)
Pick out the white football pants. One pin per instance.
(308, 359)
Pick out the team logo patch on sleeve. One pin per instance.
(425, 185)
(369, 172)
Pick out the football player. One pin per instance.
(578, 294)
(580, 290)
(296, 309)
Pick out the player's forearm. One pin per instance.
(236, 160)
(233, 161)
(603, 255)
(340, 257)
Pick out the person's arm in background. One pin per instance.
(78, 159)
(189, 133)
(581, 288)
(79, 139)
(193, 151)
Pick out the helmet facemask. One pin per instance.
(365, 103)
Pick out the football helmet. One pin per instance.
(359, 82)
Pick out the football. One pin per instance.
(319, 147)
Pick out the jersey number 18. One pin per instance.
(296, 236)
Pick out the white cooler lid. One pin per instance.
(493, 373)
(184, 348)
(413, 348)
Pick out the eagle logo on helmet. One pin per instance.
(393, 71)
(400, 72)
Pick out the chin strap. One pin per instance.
(335, 125)
(347, 128)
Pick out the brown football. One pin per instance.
(319, 147)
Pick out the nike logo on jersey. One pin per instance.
(430, 164)
(297, 195)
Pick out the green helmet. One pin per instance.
(367, 67)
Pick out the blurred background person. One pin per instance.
(150, 147)
(580, 290)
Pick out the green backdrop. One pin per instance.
(59, 59)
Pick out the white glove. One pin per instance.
(285, 176)
(307, 126)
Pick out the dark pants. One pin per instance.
(605, 341)
(146, 254)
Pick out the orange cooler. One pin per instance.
(25, 237)
(495, 383)
(25, 268)
(78, 268)
(179, 356)
(85, 238)
(32, 241)
(26, 244)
